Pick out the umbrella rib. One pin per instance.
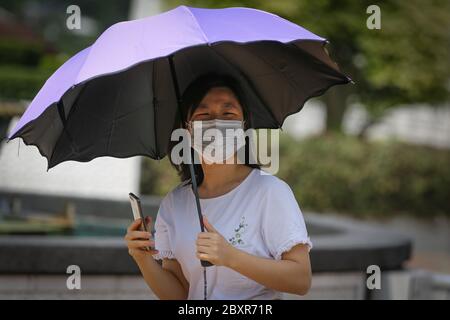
(198, 25)
(113, 126)
(155, 103)
(335, 68)
(250, 84)
(334, 65)
(63, 122)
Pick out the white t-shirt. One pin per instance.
(259, 216)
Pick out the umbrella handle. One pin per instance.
(206, 263)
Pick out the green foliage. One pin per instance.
(24, 68)
(20, 82)
(24, 82)
(24, 64)
(343, 174)
(50, 62)
(19, 52)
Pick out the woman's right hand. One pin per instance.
(138, 240)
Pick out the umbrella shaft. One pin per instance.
(197, 201)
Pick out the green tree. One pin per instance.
(406, 61)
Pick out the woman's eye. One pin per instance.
(201, 115)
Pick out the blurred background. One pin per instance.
(369, 163)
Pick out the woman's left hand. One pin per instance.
(213, 247)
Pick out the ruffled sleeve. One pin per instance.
(163, 234)
(283, 225)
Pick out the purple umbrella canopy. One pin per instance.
(119, 97)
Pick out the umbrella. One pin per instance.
(120, 97)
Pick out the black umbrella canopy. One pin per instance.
(133, 112)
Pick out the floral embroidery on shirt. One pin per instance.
(237, 238)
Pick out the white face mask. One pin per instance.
(217, 140)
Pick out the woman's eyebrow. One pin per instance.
(229, 104)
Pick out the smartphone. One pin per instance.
(137, 212)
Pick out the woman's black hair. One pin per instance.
(190, 100)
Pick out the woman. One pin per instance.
(255, 232)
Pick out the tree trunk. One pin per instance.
(362, 135)
(335, 101)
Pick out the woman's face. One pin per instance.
(218, 103)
